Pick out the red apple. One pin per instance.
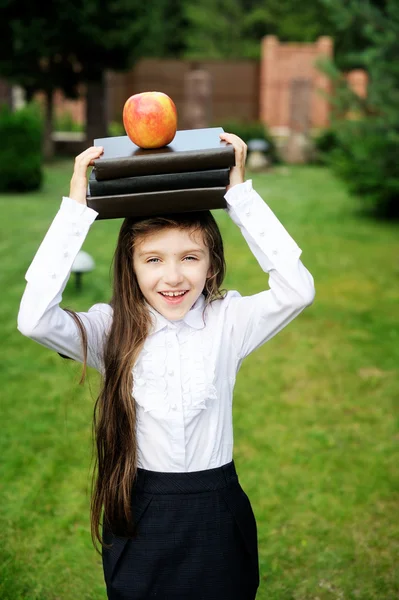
(150, 119)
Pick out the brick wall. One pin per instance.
(245, 90)
(281, 66)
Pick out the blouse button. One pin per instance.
(53, 275)
(248, 213)
(66, 254)
(174, 406)
(171, 372)
(262, 233)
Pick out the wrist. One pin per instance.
(234, 182)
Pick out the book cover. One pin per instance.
(158, 183)
(148, 204)
(190, 150)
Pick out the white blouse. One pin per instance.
(184, 377)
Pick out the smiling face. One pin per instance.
(171, 267)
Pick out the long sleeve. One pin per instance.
(40, 316)
(255, 319)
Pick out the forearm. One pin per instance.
(49, 271)
(275, 250)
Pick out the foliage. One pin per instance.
(235, 28)
(116, 128)
(69, 44)
(366, 158)
(324, 142)
(249, 130)
(348, 19)
(39, 52)
(20, 157)
(214, 28)
(66, 122)
(343, 100)
(368, 139)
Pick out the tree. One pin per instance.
(368, 145)
(349, 21)
(68, 43)
(234, 28)
(214, 28)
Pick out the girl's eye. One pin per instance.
(153, 260)
(190, 258)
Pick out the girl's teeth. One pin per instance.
(172, 293)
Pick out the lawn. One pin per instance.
(315, 411)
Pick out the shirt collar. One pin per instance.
(194, 317)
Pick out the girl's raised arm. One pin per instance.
(255, 319)
(40, 316)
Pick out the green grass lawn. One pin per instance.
(315, 411)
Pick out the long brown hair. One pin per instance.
(114, 421)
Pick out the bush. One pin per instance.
(366, 158)
(325, 142)
(21, 149)
(116, 128)
(66, 122)
(250, 131)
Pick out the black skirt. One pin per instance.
(196, 539)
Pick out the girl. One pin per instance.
(167, 506)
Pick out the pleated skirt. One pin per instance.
(196, 538)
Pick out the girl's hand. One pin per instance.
(237, 173)
(78, 187)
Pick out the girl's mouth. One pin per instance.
(173, 297)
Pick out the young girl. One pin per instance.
(167, 505)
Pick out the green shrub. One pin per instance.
(325, 142)
(21, 149)
(250, 131)
(66, 122)
(366, 158)
(116, 128)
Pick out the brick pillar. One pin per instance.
(323, 88)
(358, 82)
(284, 64)
(197, 113)
(268, 81)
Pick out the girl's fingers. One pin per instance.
(78, 186)
(86, 158)
(240, 147)
(237, 172)
(232, 139)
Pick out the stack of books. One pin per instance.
(189, 174)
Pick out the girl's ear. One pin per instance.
(209, 273)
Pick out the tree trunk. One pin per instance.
(48, 142)
(96, 109)
(6, 93)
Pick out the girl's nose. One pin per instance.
(173, 275)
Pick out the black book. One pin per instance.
(190, 150)
(158, 183)
(148, 204)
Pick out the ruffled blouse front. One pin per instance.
(159, 367)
